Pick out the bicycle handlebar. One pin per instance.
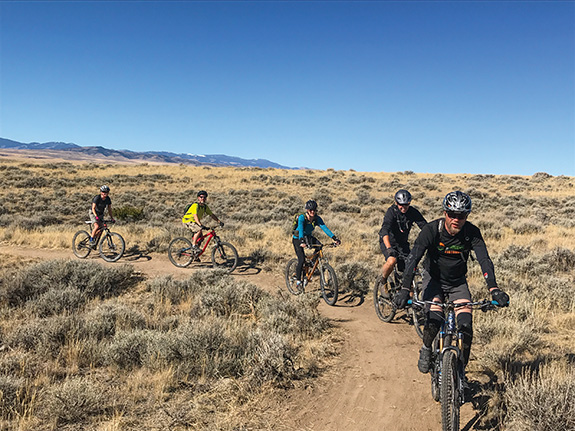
(484, 304)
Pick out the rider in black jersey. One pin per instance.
(448, 242)
(394, 232)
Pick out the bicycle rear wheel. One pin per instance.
(180, 252)
(449, 392)
(112, 247)
(291, 280)
(418, 314)
(225, 256)
(81, 244)
(383, 299)
(328, 283)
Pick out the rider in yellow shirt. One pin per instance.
(196, 213)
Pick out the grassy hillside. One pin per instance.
(74, 353)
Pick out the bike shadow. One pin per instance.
(247, 266)
(134, 253)
(349, 299)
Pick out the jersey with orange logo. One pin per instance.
(447, 255)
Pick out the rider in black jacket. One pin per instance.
(448, 242)
(394, 232)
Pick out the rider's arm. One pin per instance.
(300, 226)
(110, 213)
(386, 241)
(483, 258)
(387, 223)
(323, 227)
(422, 243)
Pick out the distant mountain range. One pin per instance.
(146, 156)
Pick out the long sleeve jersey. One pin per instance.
(397, 224)
(446, 259)
(305, 228)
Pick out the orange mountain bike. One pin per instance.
(314, 263)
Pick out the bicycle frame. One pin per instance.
(211, 234)
(313, 261)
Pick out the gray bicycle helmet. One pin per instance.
(202, 193)
(105, 189)
(403, 197)
(311, 205)
(457, 202)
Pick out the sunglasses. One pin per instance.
(458, 216)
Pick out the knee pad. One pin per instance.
(433, 324)
(464, 322)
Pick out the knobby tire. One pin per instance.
(449, 392)
(180, 252)
(80, 244)
(328, 283)
(382, 301)
(225, 256)
(417, 313)
(112, 247)
(291, 281)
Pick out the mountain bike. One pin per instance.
(110, 245)
(447, 367)
(224, 255)
(384, 293)
(312, 264)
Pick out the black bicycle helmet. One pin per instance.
(457, 202)
(403, 197)
(311, 205)
(105, 189)
(202, 193)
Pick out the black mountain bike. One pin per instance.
(312, 264)
(447, 370)
(110, 245)
(384, 293)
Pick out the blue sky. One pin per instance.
(451, 87)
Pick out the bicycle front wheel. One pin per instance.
(180, 252)
(435, 371)
(383, 300)
(81, 244)
(328, 283)
(225, 256)
(449, 392)
(112, 247)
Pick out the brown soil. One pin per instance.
(374, 383)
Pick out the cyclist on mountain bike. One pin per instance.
(196, 213)
(96, 213)
(302, 234)
(394, 232)
(448, 242)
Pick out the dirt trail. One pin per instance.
(374, 384)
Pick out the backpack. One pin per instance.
(188, 207)
(295, 222)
